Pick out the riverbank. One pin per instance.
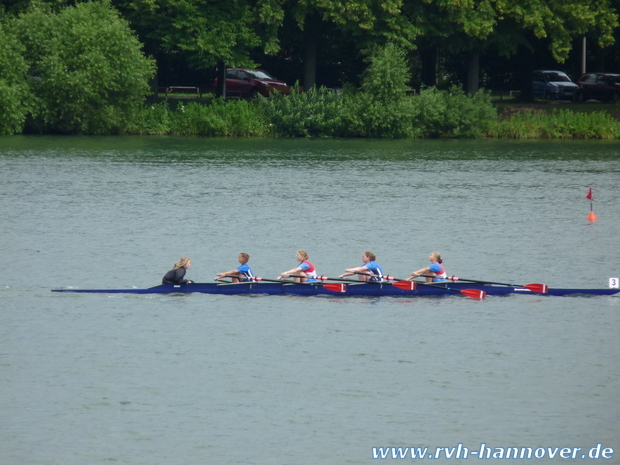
(509, 107)
(505, 106)
(430, 114)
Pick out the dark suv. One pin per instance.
(250, 83)
(599, 86)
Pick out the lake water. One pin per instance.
(207, 379)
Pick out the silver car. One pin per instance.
(553, 85)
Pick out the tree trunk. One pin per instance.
(310, 34)
(526, 74)
(473, 73)
(220, 91)
(154, 83)
(527, 61)
(428, 57)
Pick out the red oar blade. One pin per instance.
(474, 293)
(336, 287)
(406, 285)
(542, 288)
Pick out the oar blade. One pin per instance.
(336, 287)
(474, 293)
(541, 288)
(406, 285)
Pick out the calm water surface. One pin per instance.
(199, 379)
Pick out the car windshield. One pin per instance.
(257, 74)
(557, 77)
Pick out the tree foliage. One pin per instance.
(84, 70)
(560, 21)
(556, 20)
(387, 74)
(87, 71)
(206, 31)
(315, 113)
(14, 94)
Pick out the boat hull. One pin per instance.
(354, 289)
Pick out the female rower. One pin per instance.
(435, 270)
(241, 273)
(175, 275)
(369, 271)
(304, 272)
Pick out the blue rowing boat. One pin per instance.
(346, 290)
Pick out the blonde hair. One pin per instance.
(303, 254)
(181, 263)
(245, 256)
(371, 255)
(437, 256)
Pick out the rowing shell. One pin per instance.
(356, 289)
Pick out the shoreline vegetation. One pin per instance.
(350, 114)
(82, 71)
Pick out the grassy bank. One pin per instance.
(354, 113)
(509, 107)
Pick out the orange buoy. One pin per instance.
(592, 217)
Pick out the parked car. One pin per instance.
(554, 85)
(599, 86)
(250, 83)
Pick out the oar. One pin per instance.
(536, 287)
(325, 278)
(246, 279)
(410, 286)
(335, 287)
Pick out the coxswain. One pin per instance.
(176, 275)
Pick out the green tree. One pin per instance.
(370, 22)
(228, 31)
(207, 32)
(473, 26)
(382, 108)
(527, 24)
(89, 75)
(14, 93)
(450, 25)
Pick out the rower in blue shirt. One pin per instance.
(304, 272)
(370, 271)
(240, 274)
(435, 272)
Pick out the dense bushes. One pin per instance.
(454, 114)
(86, 71)
(14, 94)
(315, 113)
(221, 118)
(562, 124)
(381, 108)
(325, 113)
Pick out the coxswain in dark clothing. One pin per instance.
(176, 275)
